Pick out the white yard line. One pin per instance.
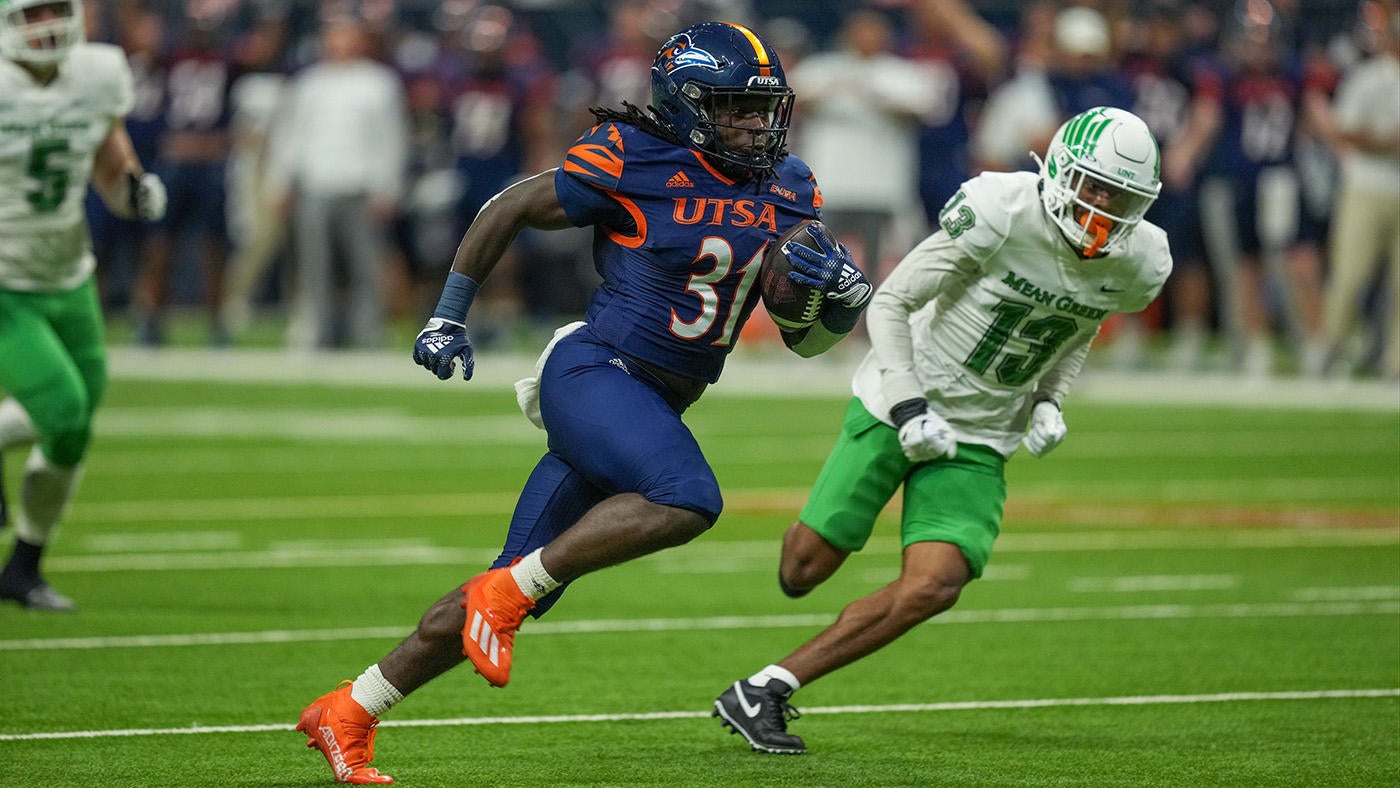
(705, 556)
(1346, 593)
(750, 371)
(168, 541)
(900, 708)
(713, 623)
(1050, 499)
(1139, 583)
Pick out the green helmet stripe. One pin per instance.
(1095, 131)
(1081, 125)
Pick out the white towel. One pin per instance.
(527, 390)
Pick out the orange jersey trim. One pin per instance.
(708, 168)
(629, 241)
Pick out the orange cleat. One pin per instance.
(495, 608)
(344, 732)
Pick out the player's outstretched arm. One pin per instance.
(529, 203)
(117, 176)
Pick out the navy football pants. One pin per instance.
(611, 431)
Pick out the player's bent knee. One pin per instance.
(808, 560)
(682, 525)
(922, 601)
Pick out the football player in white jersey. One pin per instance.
(62, 102)
(976, 338)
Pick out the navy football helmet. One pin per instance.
(710, 81)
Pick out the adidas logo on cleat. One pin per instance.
(486, 639)
(680, 181)
(342, 770)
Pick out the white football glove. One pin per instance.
(147, 196)
(1047, 429)
(927, 437)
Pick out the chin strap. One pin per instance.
(1098, 226)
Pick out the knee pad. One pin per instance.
(64, 423)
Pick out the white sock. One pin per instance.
(529, 574)
(15, 426)
(44, 494)
(374, 692)
(761, 678)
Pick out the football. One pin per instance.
(791, 306)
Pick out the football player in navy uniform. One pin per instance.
(684, 198)
(1250, 207)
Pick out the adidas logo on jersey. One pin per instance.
(680, 181)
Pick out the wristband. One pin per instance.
(908, 409)
(457, 296)
(840, 319)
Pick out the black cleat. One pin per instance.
(760, 715)
(40, 597)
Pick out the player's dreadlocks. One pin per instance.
(647, 121)
(633, 115)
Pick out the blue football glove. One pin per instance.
(440, 344)
(829, 268)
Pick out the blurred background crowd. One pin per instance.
(324, 157)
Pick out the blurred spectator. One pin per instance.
(617, 64)
(1166, 97)
(120, 243)
(861, 110)
(1250, 204)
(255, 227)
(501, 129)
(1083, 74)
(192, 159)
(1367, 218)
(961, 56)
(1021, 115)
(342, 150)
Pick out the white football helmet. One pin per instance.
(40, 32)
(1100, 175)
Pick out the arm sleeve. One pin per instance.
(1054, 385)
(930, 269)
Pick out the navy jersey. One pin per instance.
(145, 124)
(197, 91)
(1163, 92)
(944, 134)
(1260, 112)
(678, 244)
(488, 112)
(1076, 94)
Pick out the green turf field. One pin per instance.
(1181, 596)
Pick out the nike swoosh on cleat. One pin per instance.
(749, 709)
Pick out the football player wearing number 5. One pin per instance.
(684, 200)
(976, 337)
(62, 102)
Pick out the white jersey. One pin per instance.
(49, 136)
(995, 310)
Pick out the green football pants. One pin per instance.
(52, 361)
